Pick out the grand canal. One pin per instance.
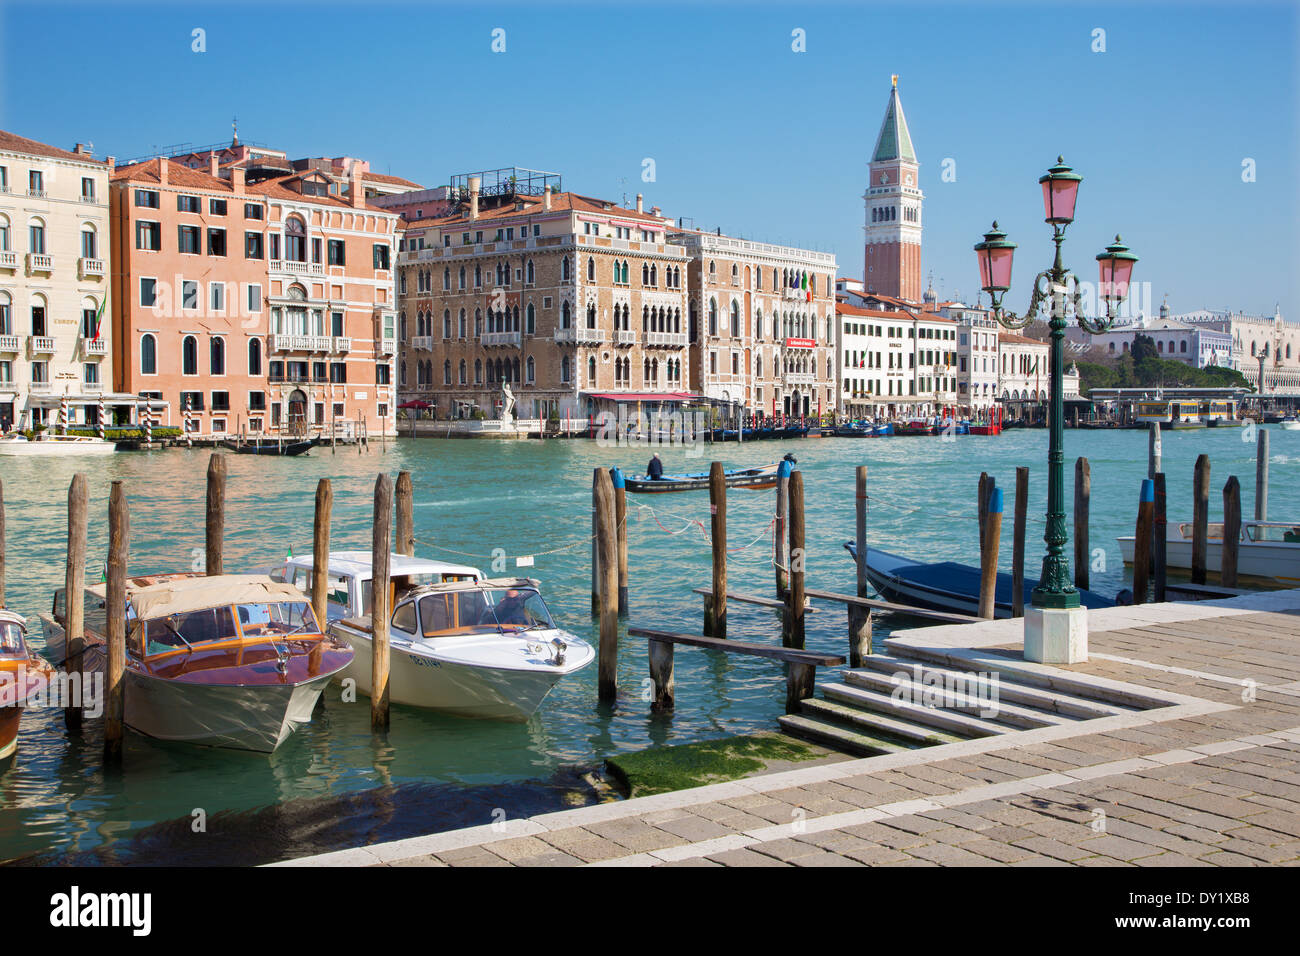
(335, 783)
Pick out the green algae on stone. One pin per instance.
(664, 769)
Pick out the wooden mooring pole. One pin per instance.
(780, 543)
(715, 615)
(1082, 503)
(620, 527)
(793, 635)
(1154, 466)
(1018, 543)
(607, 540)
(983, 510)
(74, 587)
(119, 542)
(2, 544)
(320, 550)
(860, 617)
(989, 554)
(404, 542)
(1231, 533)
(1200, 517)
(595, 544)
(379, 609)
(1142, 540)
(1261, 474)
(216, 513)
(1159, 544)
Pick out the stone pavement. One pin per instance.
(1209, 778)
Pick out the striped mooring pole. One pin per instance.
(100, 420)
(148, 425)
(189, 441)
(63, 414)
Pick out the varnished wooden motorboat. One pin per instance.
(23, 676)
(234, 660)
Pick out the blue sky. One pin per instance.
(746, 134)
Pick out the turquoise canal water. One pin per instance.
(336, 784)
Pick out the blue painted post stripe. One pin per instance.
(616, 474)
(995, 502)
(1148, 490)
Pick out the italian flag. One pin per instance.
(99, 319)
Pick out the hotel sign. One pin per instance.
(801, 343)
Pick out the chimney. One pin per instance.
(162, 170)
(356, 193)
(237, 180)
(638, 202)
(79, 149)
(655, 211)
(110, 162)
(474, 183)
(213, 171)
(546, 199)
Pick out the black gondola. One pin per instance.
(269, 446)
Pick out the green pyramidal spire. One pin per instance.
(894, 141)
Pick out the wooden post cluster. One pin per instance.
(1200, 517)
(1159, 543)
(860, 617)
(1082, 503)
(216, 513)
(404, 542)
(607, 596)
(1018, 543)
(1231, 532)
(320, 550)
(74, 587)
(1261, 474)
(379, 601)
(620, 525)
(991, 543)
(1142, 540)
(715, 617)
(793, 633)
(119, 543)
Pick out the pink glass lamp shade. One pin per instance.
(995, 255)
(1060, 191)
(1115, 271)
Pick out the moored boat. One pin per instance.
(914, 426)
(23, 676)
(946, 585)
(55, 445)
(232, 660)
(269, 446)
(486, 649)
(763, 476)
(1266, 550)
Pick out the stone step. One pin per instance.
(1010, 687)
(992, 707)
(836, 736)
(1024, 673)
(951, 721)
(865, 720)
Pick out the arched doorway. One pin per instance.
(297, 412)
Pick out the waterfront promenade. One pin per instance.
(1206, 775)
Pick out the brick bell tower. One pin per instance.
(892, 264)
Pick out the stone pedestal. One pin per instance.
(1056, 636)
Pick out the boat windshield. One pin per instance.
(1285, 533)
(178, 631)
(276, 619)
(483, 611)
(404, 583)
(11, 638)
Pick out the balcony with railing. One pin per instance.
(40, 344)
(422, 343)
(341, 344)
(10, 343)
(38, 262)
(91, 268)
(672, 340)
(92, 387)
(92, 347)
(294, 267)
(40, 388)
(387, 346)
(575, 335)
(624, 337)
(502, 338)
(300, 343)
(8, 260)
(799, 378)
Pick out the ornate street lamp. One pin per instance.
(1055, 624)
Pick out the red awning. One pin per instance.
(645, 396)
(415, 403)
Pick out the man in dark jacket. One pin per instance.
(656, 468)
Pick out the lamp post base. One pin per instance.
(1056, 635)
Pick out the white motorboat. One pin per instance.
(347, 590)
(1290, 424)
(52, 445)
(1266, 550)
(225, 661)
(473, 648)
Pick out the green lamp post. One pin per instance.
(1055, 592)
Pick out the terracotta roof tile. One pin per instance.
(21, 144)
(148, 171)
(560, 202)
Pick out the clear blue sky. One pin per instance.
(746, 134)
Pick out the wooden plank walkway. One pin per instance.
(1213, 779)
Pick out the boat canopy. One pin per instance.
(188, 594)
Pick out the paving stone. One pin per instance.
(1046, 846)
(1119, 847)
(745, 857)
(949, 855)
